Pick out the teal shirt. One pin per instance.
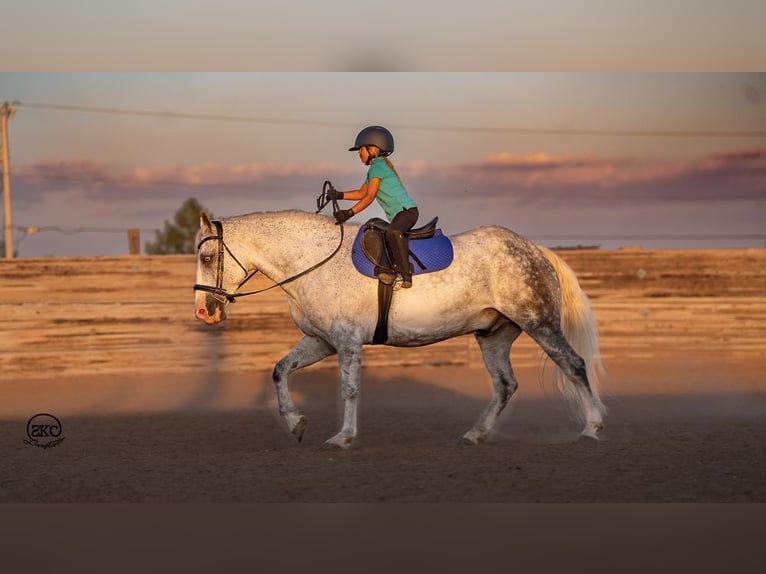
(391, 196)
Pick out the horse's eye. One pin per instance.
(207, 259)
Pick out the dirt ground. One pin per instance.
(684, 433)
(157, 408)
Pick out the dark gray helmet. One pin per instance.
(377, 136)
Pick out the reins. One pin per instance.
(232, 298)
(219, 291)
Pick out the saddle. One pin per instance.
(430, 250)
(377, 251)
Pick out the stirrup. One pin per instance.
(387, 278)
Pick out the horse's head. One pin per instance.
(219, 272)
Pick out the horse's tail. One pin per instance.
(581, 331)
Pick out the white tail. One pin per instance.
(580, 330)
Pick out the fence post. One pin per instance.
(134, 241)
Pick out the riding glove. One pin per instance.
(343, 215)
(334, 194)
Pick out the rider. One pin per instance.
(383, 183)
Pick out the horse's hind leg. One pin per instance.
(307, 352)
(495, 349)
(579, 392)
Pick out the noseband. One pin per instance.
(224, 296)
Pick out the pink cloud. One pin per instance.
(540, 192)
(737, 175)
(105, 182)
(733, 175)
(65, 171)
(221, 174)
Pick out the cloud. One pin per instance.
(531, 193)
(737, 175)
(65, 173)
(217, 174)
(103, 182)
(739, 165)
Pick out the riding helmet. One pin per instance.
(377, 136)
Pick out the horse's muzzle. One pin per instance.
(209, 309)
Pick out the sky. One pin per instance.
(401, 35)
(602, 157)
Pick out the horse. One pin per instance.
(499, 285)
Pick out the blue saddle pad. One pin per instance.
(434, 253)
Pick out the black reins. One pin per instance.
(220, 292)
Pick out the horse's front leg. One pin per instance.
(307, 352)
(350, 360)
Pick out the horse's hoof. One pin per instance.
(341, 440)
(474, 437)
(591, 432)
(299, 428)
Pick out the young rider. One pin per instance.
(375, 144)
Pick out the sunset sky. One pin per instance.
(657, 159)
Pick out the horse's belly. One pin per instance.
(411, 332)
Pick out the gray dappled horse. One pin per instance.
(498, 285)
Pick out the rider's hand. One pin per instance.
(334, 194)
(343, 215)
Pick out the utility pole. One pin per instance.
(6, 112)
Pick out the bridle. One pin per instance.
(218, 291)
(224, 296)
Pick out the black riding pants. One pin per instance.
(402, 222)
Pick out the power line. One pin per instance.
(419, 127)
(179, 115)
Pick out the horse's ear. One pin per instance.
(205, 224)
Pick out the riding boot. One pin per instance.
(400, 249)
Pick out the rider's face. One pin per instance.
(364, 155)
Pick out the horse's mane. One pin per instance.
(295, 218)
(299, 213)
(261, 213)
